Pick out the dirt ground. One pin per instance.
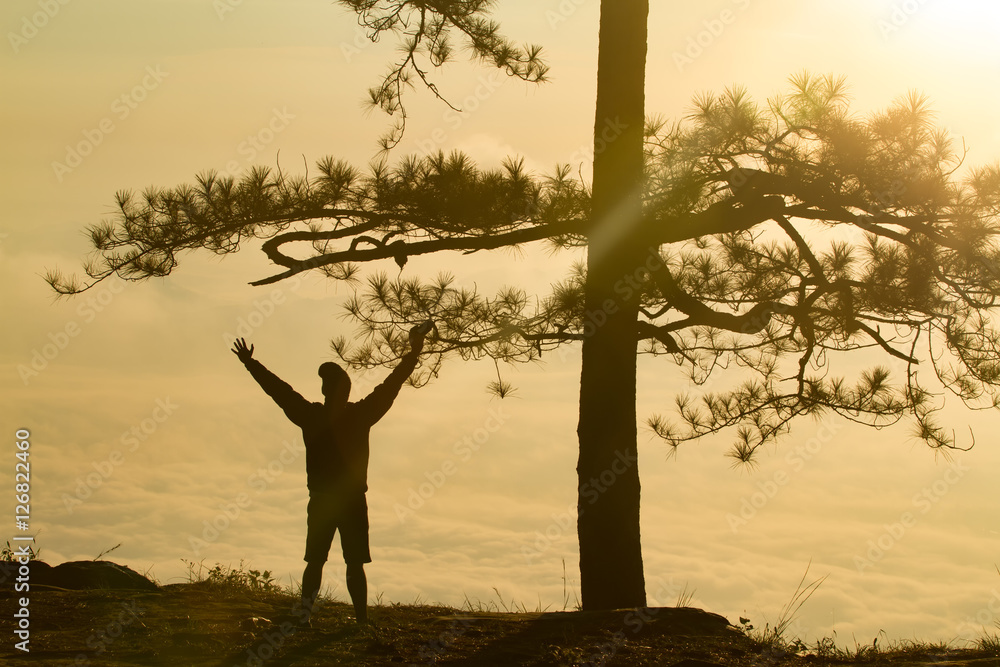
(199, 624)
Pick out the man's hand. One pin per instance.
(418, 333)
(242, 352)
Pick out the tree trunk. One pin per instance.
(611, 574)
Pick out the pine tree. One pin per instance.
(769, 239)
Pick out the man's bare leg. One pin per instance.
(312, 578)
(357, 586)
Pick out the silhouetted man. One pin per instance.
(335, 433)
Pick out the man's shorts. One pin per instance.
(329, 512)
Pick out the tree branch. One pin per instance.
(402, 249)
(750, 322)
(877, 337)
(723, 217)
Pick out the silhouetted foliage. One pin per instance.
(783, 236)
(425, 30)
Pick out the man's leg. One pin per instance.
(354, 541)
(357, 586)
(312, 578)
(321, 524)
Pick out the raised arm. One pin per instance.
(295, 406)
(378, 402)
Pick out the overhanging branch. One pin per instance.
(403, 249)
(272, 245)
(722, 217)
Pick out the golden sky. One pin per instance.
(145, 428)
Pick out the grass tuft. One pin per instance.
(989, 643)
(500, 605)
(106, 551)
(8, 554)
(774, 636)
(237, 579)
(685, 597)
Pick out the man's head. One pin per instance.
(336, 383)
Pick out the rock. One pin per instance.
(89, 574)
(255, 623)
(690, 621)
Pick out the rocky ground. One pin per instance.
(203, 623)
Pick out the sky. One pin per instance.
(145, 432)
